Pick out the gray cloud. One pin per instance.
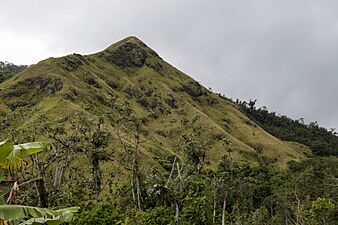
(281, 52)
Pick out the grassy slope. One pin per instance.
(78, 92)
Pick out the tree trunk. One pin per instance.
(42, 193)
(178, 171)
(57, 169)
(215, 202)
(138, 192)
(171, 172)
(214, 212)
(41, 186)
(133, 191)
(224, 206)
(177, 214)
(299, 219)
(97, 177)
(136, 171)
(137, 180)
(12, 195)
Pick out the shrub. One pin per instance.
(103, 214)
(159, 215)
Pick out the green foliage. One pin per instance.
(322, 212)
(160, 215)
(34, 215)
(12, 156)
(194, 147)
(321, 141)
(198, 203)
(260, 216)
(94, 143)
(8, 70)
(103, 214)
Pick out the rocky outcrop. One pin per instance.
(43, 84)
(91, 81)
(127, 55)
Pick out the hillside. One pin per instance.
(130, 70)
(136, 141)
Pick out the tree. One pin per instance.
(321, 212)
(260, 216)
(8, 70)
(94, 143)
(252, 104)
(185, 176)
(12, 160)
(64, 134)
(131, 134)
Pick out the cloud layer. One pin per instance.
(282, 53)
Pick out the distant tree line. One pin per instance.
(8, 70)
(322, 142)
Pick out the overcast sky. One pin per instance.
(282, 52)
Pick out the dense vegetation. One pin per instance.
(12, 163)
(8, 70)
(135, 141)
(322, 142)
(183, 190)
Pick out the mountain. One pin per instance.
(136, 141)
(130, 70)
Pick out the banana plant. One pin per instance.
(25, 215)
(12, 159)
(12, 156)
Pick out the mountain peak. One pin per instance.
(133, 39)
(129, 52)
(129, 39)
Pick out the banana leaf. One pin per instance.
(5, 149)
(11, 156)
(33, 215)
